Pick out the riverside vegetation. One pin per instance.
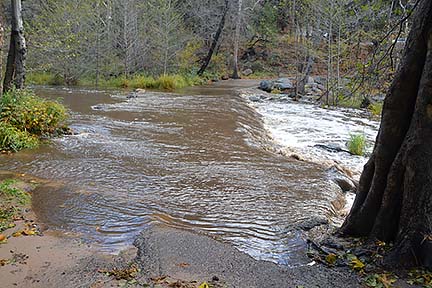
(25, 120)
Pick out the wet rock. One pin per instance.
(333, 243)
(247, 72)
(311, 223)
(131, 96)
(331, 147)
(266, 85)
(344, 181)
(140, 91)
(255, 98)
(283, 84)
(225, 77)
(97, 107)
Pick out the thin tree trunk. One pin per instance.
(394, 199)
(1, 48)
(215, 40)
(237, 40)
(329, 63)
(306, 73)
(15, 68)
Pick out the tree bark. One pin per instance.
(215, 40)
(15, 68)
(394, 199)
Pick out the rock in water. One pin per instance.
(254, 98)
(247, 72)
(140, 91)
(283, 84)
(345, 182)
(266, 85)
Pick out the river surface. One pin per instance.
(193, 160)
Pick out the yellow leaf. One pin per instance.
(28, 232)
(204, 285)
(331, 258)
(387, 280)
(17, 234)
(356, 264)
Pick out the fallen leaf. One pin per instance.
(4, 262)
(204, 285)
(28, 232)
(158, 279)
(17, 234)
(331, 258)
(2, 237)
(183, 265)
(387, 280)
(356, 264)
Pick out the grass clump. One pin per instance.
(26, 118)
(12, 198)
(12, 139)
(164, 82)
(44, 78)
(357, 144)
(376, 108)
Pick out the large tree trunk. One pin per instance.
(15, 68)
(394, 199)
(215, 40)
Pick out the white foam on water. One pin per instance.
(299, 127)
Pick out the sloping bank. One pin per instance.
(31, 256)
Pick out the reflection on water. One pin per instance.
(192, 160)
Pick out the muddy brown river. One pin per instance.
(193, 160)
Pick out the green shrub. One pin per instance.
(357, 144)
(25, 118)
(27, 112)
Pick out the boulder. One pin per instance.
(320, 80)
(247, 72)
(310, 80)
(266, 85)
(283, 84)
